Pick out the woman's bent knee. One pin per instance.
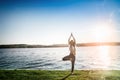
(66, 58)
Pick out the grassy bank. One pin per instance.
(59, 75)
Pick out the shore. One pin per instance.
(2, 46)
(59, 75)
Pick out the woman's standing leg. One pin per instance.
(72, 63)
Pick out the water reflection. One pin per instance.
(96, 57)
(104, 56)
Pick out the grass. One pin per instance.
(59, 75)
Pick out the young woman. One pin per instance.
(71, 56)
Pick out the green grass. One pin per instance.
(59, 75)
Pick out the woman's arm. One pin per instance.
(69, 38)
(73, 38)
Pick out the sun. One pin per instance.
(103, 32)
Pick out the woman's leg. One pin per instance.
(66, 58)
(72, 63)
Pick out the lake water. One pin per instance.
(96, 57)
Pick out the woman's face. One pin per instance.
(71, 42)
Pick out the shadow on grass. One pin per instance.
(66, 77)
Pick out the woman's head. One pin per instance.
(72, 42)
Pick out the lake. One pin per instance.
(95, 57)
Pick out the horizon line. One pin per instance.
(56, 43)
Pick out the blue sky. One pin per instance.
(52, 21)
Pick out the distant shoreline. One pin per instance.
(60, 45)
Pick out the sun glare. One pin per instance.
(103, 32)
(104, 56)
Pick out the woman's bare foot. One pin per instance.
(71, 72)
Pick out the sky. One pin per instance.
(52, 21)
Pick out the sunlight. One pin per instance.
(104, 55)
(103, 32)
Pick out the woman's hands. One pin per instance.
(71, 35)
